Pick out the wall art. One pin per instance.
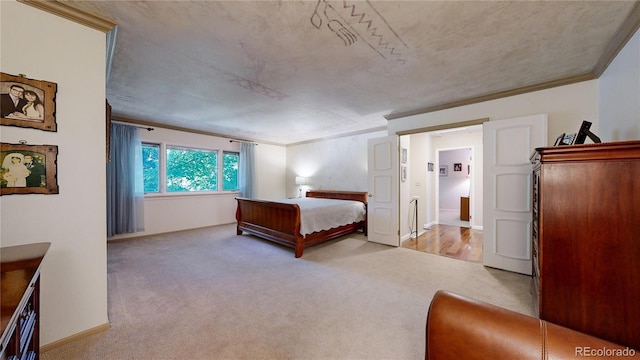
(27, 103)
(28, 169)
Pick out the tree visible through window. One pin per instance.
(151, 167)
(230, 170)
(188, 169)
(191, 169)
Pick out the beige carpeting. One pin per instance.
(209, 294)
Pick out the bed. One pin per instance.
(281, 221)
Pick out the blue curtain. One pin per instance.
(125, 188)
(246, 170)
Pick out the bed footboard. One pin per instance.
(273, 221)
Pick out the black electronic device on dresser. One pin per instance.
(585, 243)
(20, 298)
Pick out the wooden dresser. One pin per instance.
(586, 238)
(20, 311)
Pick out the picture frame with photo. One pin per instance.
(430, 166)
(444, 170)
(27, 103)
(28, 169)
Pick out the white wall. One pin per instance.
(619, 92)
(74, 272)
(421, 181)
(175, 212)
(333, 164)
(407, 214)
(271, 170)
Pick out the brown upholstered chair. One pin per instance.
(462, 328)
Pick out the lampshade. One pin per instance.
(301, 180)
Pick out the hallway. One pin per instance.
(456, 242)
(452, 217)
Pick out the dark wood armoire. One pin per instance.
(586, 238)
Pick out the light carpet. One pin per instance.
(210, 294)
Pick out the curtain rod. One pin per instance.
(130, 124)
(243, 141)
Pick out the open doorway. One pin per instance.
(454, 186)
(442, 192)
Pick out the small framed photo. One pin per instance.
(28, 169)
(444, 170)
(429, 166)
(457, 167)
(559, 140)
(27, 103)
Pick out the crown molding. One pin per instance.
(72, 13)
(495, 96)
(619, 40)
(467, 123)
(338, 136)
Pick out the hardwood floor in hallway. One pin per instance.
(452, 241)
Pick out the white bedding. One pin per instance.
(317, 214)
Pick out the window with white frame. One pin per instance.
(151, 167)
(230, 162)
(188, 169)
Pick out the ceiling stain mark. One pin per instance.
(256, 87)
(332, 22)
(386, 23)
(383, 45)
(377, 28)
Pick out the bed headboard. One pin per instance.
(339, 195)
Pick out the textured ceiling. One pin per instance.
(291, 71)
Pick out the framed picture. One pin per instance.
(403, 173)
(28, 169)
(429, 166)
(403, 157)
(444, 170)
(457, 167)
(27, 103)
(559, 140)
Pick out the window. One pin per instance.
(151, 167)
(191, 169)
(184, 170)
(230, 170)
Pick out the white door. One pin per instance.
(508, 145)
(382, 208)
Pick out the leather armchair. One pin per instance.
(462, 328)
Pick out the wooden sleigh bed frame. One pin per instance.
(280, 222)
